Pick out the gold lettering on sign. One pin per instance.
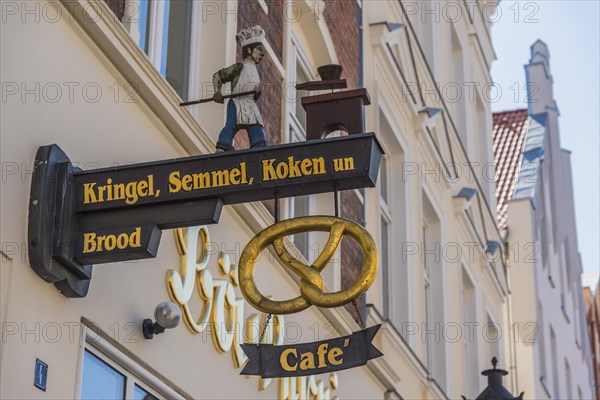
(292, 168)
(93, 243)
(343, 164)
(289, 358)
(206, 180)
(130, 192)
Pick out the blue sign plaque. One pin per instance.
(40, 375)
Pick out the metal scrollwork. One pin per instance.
(311, 284)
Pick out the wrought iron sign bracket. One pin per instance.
(79, 218)
(50, 221)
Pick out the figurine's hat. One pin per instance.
(254, 34)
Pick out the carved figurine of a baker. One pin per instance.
(242, 111)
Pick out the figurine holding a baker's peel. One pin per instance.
(242, 111)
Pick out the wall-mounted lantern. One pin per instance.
(495, 390)
(167, 316)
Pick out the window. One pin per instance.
(576, 321)
(165, 35)
(492, 337)
(457, 102)
(555, 383)
(469, 341)
(383, 181)
(299, 73)
(385, 265)
(568, 378)
(428, 297)
(101, 380)
(542, 348)
(433, 293)
(385, 221)
(386, 206)
(298, 112)
(481, 149)
(299, 208)
(562, 276)
(108, 371)
(426, 21)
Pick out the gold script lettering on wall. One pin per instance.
(221, 309)
(307, 387)
(192, 268)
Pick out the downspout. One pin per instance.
(361, 79)
(361, 82)
(512, 339)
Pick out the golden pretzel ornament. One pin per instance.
(311, 284)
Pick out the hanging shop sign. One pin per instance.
(78, 218)
(326, 356)
(270, 361)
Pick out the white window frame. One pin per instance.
(298, 58)
(401, 295)
(428, 299)
(493, 348)
(134, 372)
(542, 344)
(156, 21)
(469, 348)
(157, 48)
(555, 376)
(386, 220)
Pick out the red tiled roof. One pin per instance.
(509, 132)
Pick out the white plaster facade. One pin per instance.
(444, 307)
(545, 281)
(101, 122)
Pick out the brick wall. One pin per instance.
(351, 254)
(250, 13)
(342, 17)
(269, 104)
(117, 7)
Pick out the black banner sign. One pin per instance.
(331, 355)
(122, 244)
(294, 169)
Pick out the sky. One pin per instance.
(570, 28)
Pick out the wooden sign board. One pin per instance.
(314, 358)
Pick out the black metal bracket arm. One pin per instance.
(55, 229)
(49, 224)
